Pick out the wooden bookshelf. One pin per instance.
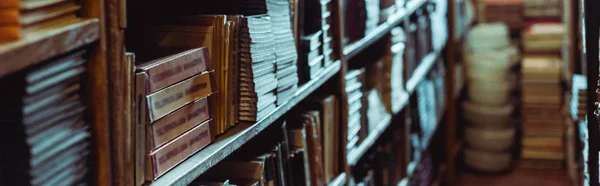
(44, 44)
(233, 139)
(354, 48)
(339, 180)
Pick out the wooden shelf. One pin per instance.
(44, 44)
(352, 49)
(339, 180)
(419, 75)
(233, 139)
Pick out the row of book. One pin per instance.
(46, 135)
(20, 17)
(303, 150)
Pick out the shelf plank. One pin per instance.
(340, 180)
(44, 44)
(352, 49)
(233, 139)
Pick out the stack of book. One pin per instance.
(543, 38)
(285, 50)
(172, 111)
(19, 17)
(165, 36)
(542, 9)
(46, 137)
(372, 18)
(312, 58)
(543, 121)
(327, 27)
(510, 12)
(356, 107)
(258, 80)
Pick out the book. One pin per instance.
(177, 122)
(171, 154)
(327, 106)
(45, 126)
(171, 69)
(176, 96)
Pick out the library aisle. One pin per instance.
(299, 92)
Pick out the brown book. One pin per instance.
(176, 96)
(171, 69)
(313, 136)
(299, 156)
(171, 154)
(330, 133)
(31, 17)
(176, 123)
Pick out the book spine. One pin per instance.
(141, 120)
(171, 98)
(176, 123)
(173, 153)
(173, 71)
